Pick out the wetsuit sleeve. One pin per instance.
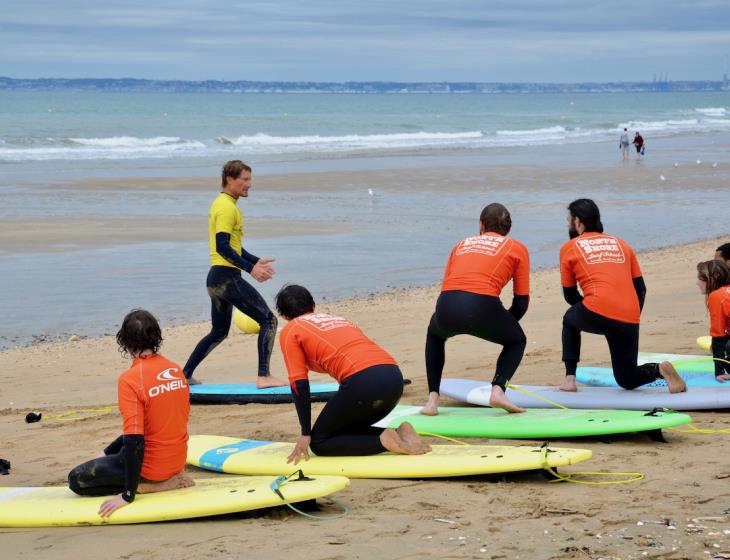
(640, 288)
(303, 404)
(519, 306)
(572, 295)
(115, 446)
(720, 352)
(224, 249)
(133, 454)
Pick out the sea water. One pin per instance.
(392, 238)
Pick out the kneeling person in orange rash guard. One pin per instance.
(154, 400)
(607, 271)
(370, 383)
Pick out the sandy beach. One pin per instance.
(678, 511)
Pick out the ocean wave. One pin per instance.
(676, 126)
(115, 147)
(127, 141)
(551, 130)
(712, 111)
(356, 140)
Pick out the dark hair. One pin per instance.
(715, 273)
(587, 212)
(233, 169)
(496, 218)
(140, 331)
(724, 250)
(293, 301)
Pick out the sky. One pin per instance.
(367, 40)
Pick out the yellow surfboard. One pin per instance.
(704, 342)
(246, 456)
(57, 506)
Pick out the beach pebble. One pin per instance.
(73, 338)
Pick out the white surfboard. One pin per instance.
(643, 398)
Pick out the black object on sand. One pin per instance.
(33, 417)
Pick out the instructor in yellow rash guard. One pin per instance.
(226, 286)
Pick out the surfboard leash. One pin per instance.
(692, 429)
(632, 476)
(279, 481)
(533, 395)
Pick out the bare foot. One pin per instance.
(432, 406)
(675, 383)
(193, 381)
(499, 400)
(395, 444)
(175, 482)
(263, 382)
(407, 433)
(569, 385)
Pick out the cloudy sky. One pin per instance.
(391, 40)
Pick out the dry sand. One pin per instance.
(521, 516)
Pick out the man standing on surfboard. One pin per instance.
(608, 273)
(226, 287)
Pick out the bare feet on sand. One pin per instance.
(499, 400)
(675, 383)
(394, 443)
(569, 384)
(407, 433)
(432, 406)
(263, 382)
(180, 480)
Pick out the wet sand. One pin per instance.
(519, 516)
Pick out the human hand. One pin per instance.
(111, 505)
(301, 450)
(722, 378)
(262, 270)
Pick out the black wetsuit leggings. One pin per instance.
(478, 315)
(227, 290)
(344, 427)
(623, 344)
(102, 476)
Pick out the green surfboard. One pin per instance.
(535, 423)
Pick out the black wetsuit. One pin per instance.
(118, 472)
(721, 353)
(344, 427)
(622, 338)
(227, 289)
(483, 316)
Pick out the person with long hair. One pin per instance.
(607, 271)
(713, 280)
(370, 383)
(154, 401)
(477, 270)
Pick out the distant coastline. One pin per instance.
(216, 86)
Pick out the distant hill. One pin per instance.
(215, 86)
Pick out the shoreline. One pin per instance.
(353, 300)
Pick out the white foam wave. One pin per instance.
(127, 141)
(551, 130)
(355, 141)
(676, 126)
(712, 111)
